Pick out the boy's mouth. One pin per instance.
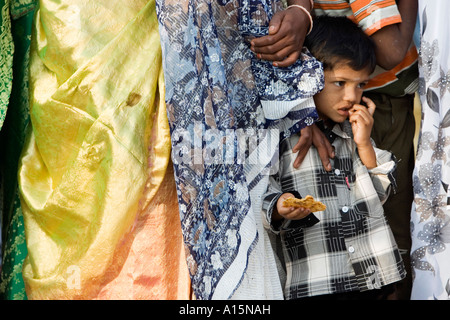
(344, 111)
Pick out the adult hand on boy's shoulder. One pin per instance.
(312, 135)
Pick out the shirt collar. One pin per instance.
(343, 130)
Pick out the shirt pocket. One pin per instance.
(364, 196)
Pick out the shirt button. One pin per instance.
(351, 249)
(345, 209)
(337, 172)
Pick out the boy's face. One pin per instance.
(343, 88)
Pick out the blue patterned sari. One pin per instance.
(227, 112)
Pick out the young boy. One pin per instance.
(347, 249)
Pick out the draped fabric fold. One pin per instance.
(95, 163)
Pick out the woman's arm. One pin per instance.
(287, 32)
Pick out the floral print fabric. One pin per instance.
(6, 58)
(430, 254)
(214, 93)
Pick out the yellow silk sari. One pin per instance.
(96, 181)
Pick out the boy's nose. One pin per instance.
(350, 95)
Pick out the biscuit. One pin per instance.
(307, 202)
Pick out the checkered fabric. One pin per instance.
(349, 246)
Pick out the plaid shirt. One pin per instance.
(349, 246)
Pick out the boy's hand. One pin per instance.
(361, 118)
(289, 213)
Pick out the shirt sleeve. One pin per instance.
(372, 15)
(270, 199)
(384, 175)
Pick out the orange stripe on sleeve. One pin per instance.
(360, 4)
(369, 11)
(390, 75)
(337, 6)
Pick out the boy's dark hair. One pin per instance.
(335, 40)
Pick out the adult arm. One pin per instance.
(393, 41)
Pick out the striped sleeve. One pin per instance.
(372, 15)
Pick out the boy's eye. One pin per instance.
(362, 85)
(339, 83)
